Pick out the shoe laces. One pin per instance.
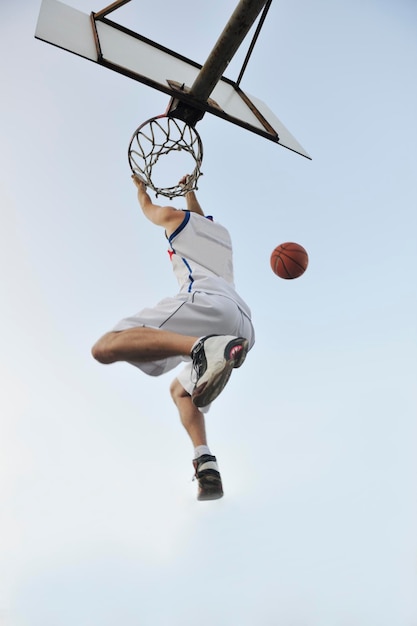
(199, 362)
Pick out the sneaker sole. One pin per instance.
(211, 496)
(206, 393)
(210, 488)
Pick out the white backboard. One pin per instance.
(120, 49)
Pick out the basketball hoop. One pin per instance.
(158, 137)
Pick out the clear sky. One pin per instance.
(315, 435)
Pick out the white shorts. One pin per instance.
(196, 314)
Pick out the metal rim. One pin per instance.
(147, 145)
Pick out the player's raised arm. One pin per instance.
(193, 204)
(166, 216)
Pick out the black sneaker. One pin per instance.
(214, 357)
(209, 480)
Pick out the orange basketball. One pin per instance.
(289, 260)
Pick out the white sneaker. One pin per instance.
(214, 357)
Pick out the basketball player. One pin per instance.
(207, 325)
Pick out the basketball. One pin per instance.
(289, 260)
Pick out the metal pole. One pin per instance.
(226, 46)
(110, 8)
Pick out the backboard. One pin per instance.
(103, 41)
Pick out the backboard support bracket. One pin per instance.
(183, 111)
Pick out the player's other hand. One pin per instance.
(139, 182)
(183, 180)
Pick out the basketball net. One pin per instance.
(158, 137)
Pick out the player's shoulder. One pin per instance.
(170, 218)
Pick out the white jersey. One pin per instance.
(201, 255)
(207, 303)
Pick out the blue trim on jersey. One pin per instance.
(181, 226)
(190, 275)
(177, 232)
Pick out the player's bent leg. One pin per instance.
(214, 357)
(103, 349)
(141, 344)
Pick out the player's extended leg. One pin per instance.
(191, 417)
(205, 466)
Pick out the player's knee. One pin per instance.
(173, 390)
(177, 391)
(101, 351)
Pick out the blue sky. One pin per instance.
(315, 435)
